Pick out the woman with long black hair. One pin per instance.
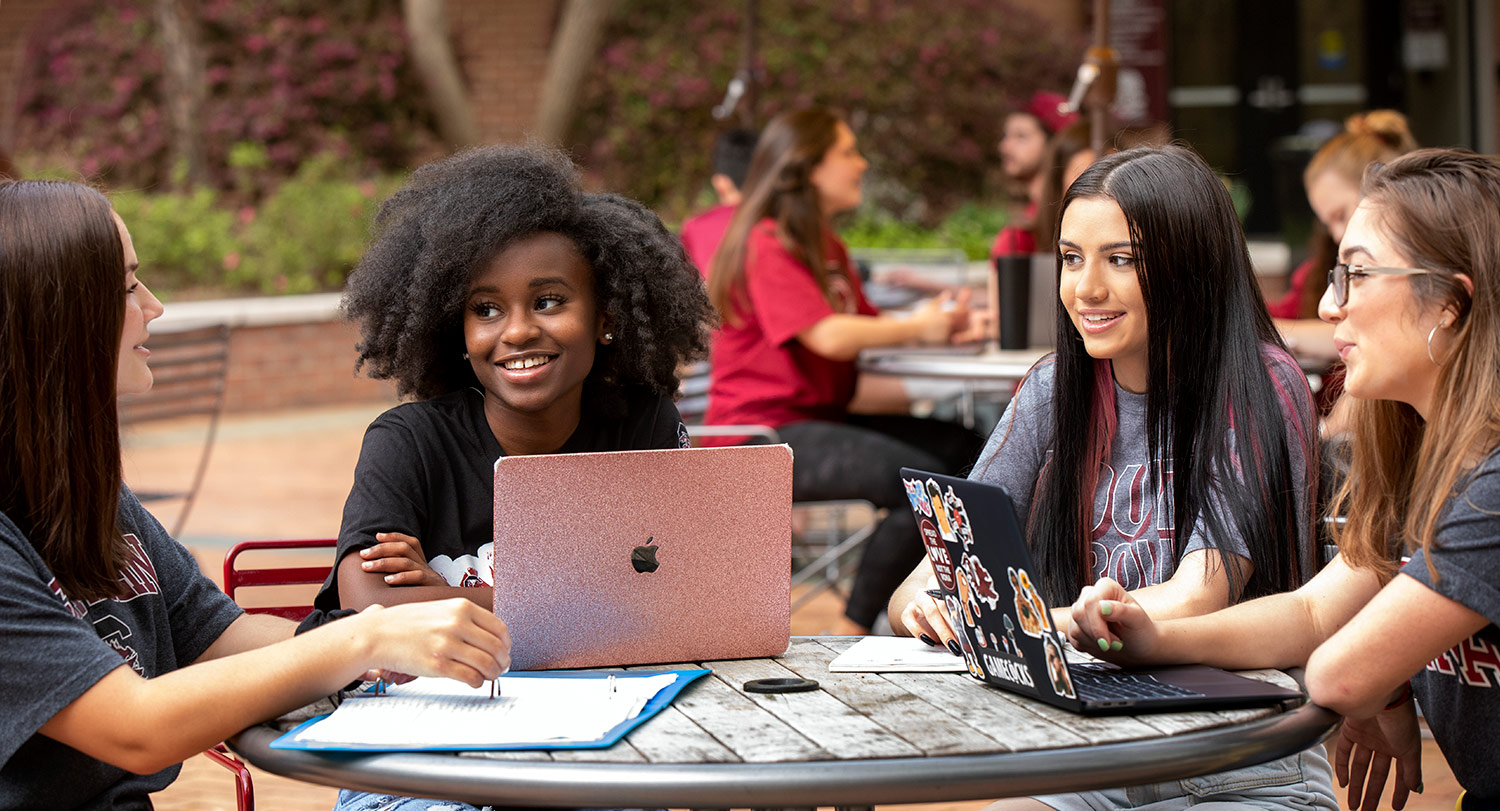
(1169, 444)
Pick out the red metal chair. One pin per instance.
(236, 578)
(247, 577)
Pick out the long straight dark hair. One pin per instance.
(62, 308)
(779, 186)
(1212, 406)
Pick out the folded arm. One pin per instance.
(361, 587)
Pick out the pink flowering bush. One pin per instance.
(925, 84)
(294, 78)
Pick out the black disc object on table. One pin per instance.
(780, 686)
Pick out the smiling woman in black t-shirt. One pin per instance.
(523, 316)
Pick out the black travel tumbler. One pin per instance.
(1013, 279)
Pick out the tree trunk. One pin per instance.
(568, 63)
(432, 54)
(183, 69)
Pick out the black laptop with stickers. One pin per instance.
(984, 571)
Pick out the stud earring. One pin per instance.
(609, 336)
(466, 356)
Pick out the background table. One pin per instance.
(861, 739)
(994, 371)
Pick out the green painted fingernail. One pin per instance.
(1103, 643)
(1106, 609)
(1116, 645)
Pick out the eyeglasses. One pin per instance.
(1338, 278)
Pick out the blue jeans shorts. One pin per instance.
(1302, 781)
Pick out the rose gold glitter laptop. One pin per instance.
(635, 557)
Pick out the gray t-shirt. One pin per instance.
(1455, 690)
(57, 648)
(1134, 541)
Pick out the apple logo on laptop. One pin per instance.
(643, 557)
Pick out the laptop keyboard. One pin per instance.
(1106, 684)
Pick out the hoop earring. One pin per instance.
(1435, 328)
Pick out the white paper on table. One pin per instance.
(895, 654)
(446, 713)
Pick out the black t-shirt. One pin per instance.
(1460, 690)
(56, 648)
(427, 469)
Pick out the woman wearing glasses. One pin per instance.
(1414, 306)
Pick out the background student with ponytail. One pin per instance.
(1331, 181)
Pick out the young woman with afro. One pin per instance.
(519, 315)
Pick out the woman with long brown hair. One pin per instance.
(1415, 304)
(794, 318)
(121, 659)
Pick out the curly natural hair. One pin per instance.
(454, 216)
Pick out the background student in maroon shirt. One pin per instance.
(794, 320)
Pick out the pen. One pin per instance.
(494, 689)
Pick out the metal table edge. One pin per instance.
(849, 782)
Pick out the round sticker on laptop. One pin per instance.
(937, 552)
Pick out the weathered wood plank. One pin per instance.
(1095, 729)
(900, 711)
(993, 712)
(671, 737)
(824, 719)
(747, 730)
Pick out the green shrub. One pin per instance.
(183, 240)
(970, 228)
(311, 231)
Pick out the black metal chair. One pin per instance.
(826, 534)
(189, 368)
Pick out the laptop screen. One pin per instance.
(984, 571)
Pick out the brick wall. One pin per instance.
(284, 351)
(503, 50)
(291, 365)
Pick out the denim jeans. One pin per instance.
(1302, 781)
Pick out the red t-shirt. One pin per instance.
(1014, 240)
(1290, 302)
(761, 373)
(702, 234)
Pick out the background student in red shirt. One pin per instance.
(794, 320)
